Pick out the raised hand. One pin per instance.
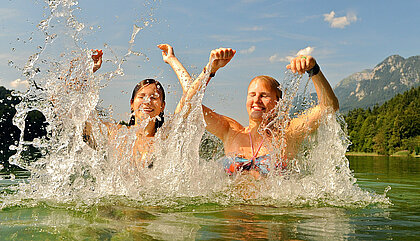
(97, 59)
(221, 57)
(167, 52)
(301, 64)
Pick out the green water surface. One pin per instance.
(128, 220)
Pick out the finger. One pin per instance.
(303, 64)
(229, 53)
(212, 54)
(293, 65)
(170, 50)
(298, 66)
(223, 53)
(163, 47)
(288, 66)
(217, 54)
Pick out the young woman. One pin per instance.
(245, 147)
(147, 107)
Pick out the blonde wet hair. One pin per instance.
(273, 83)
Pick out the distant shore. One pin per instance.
(399, 153)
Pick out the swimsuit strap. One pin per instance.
(254, 154)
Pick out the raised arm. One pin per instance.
(308, 122)
(168, 56)
(218, 59)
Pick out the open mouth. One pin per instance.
(146, 110)
(258, 108)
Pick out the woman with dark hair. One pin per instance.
(147, 109)
(153, 96)
(147, 114)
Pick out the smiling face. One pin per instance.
(261, 98)
(148, 102)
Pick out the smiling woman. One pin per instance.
(249, 148)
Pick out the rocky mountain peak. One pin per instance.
(393, 75)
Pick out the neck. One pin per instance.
(253, 129)
(253, 126)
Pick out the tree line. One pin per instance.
(386, 129)
(35, 124)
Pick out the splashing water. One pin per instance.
(72, 171)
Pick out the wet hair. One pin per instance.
(273, 83)
(141, 84)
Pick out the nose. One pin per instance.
(257, 98)
(146, 99)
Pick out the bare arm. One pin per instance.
(217, 124)
(168, 56)
(308, 122)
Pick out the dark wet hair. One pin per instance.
(141, 84)
(273, 83)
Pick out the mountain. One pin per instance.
(375, 86)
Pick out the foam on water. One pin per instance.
(72, 171)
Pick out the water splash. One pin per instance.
(80, 172)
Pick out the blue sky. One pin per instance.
(344, 36)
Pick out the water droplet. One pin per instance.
(11, 63)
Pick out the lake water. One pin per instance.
(119, 218)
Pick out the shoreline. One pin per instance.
(350, 153)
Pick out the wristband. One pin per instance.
(314, 71)
(211, 74)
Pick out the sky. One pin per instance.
(344, 37)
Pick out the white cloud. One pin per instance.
(306, 51)
(248, 51)
(276, 58)
(19, 83)
(339, 22)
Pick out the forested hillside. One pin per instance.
(10, 134)
(388, 128)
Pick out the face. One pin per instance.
(147, 102)
(261, 99)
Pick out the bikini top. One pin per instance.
(260, 163)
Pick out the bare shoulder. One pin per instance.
(234, 129)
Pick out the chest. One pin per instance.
(240, 145)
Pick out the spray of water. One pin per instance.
(73, 170)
